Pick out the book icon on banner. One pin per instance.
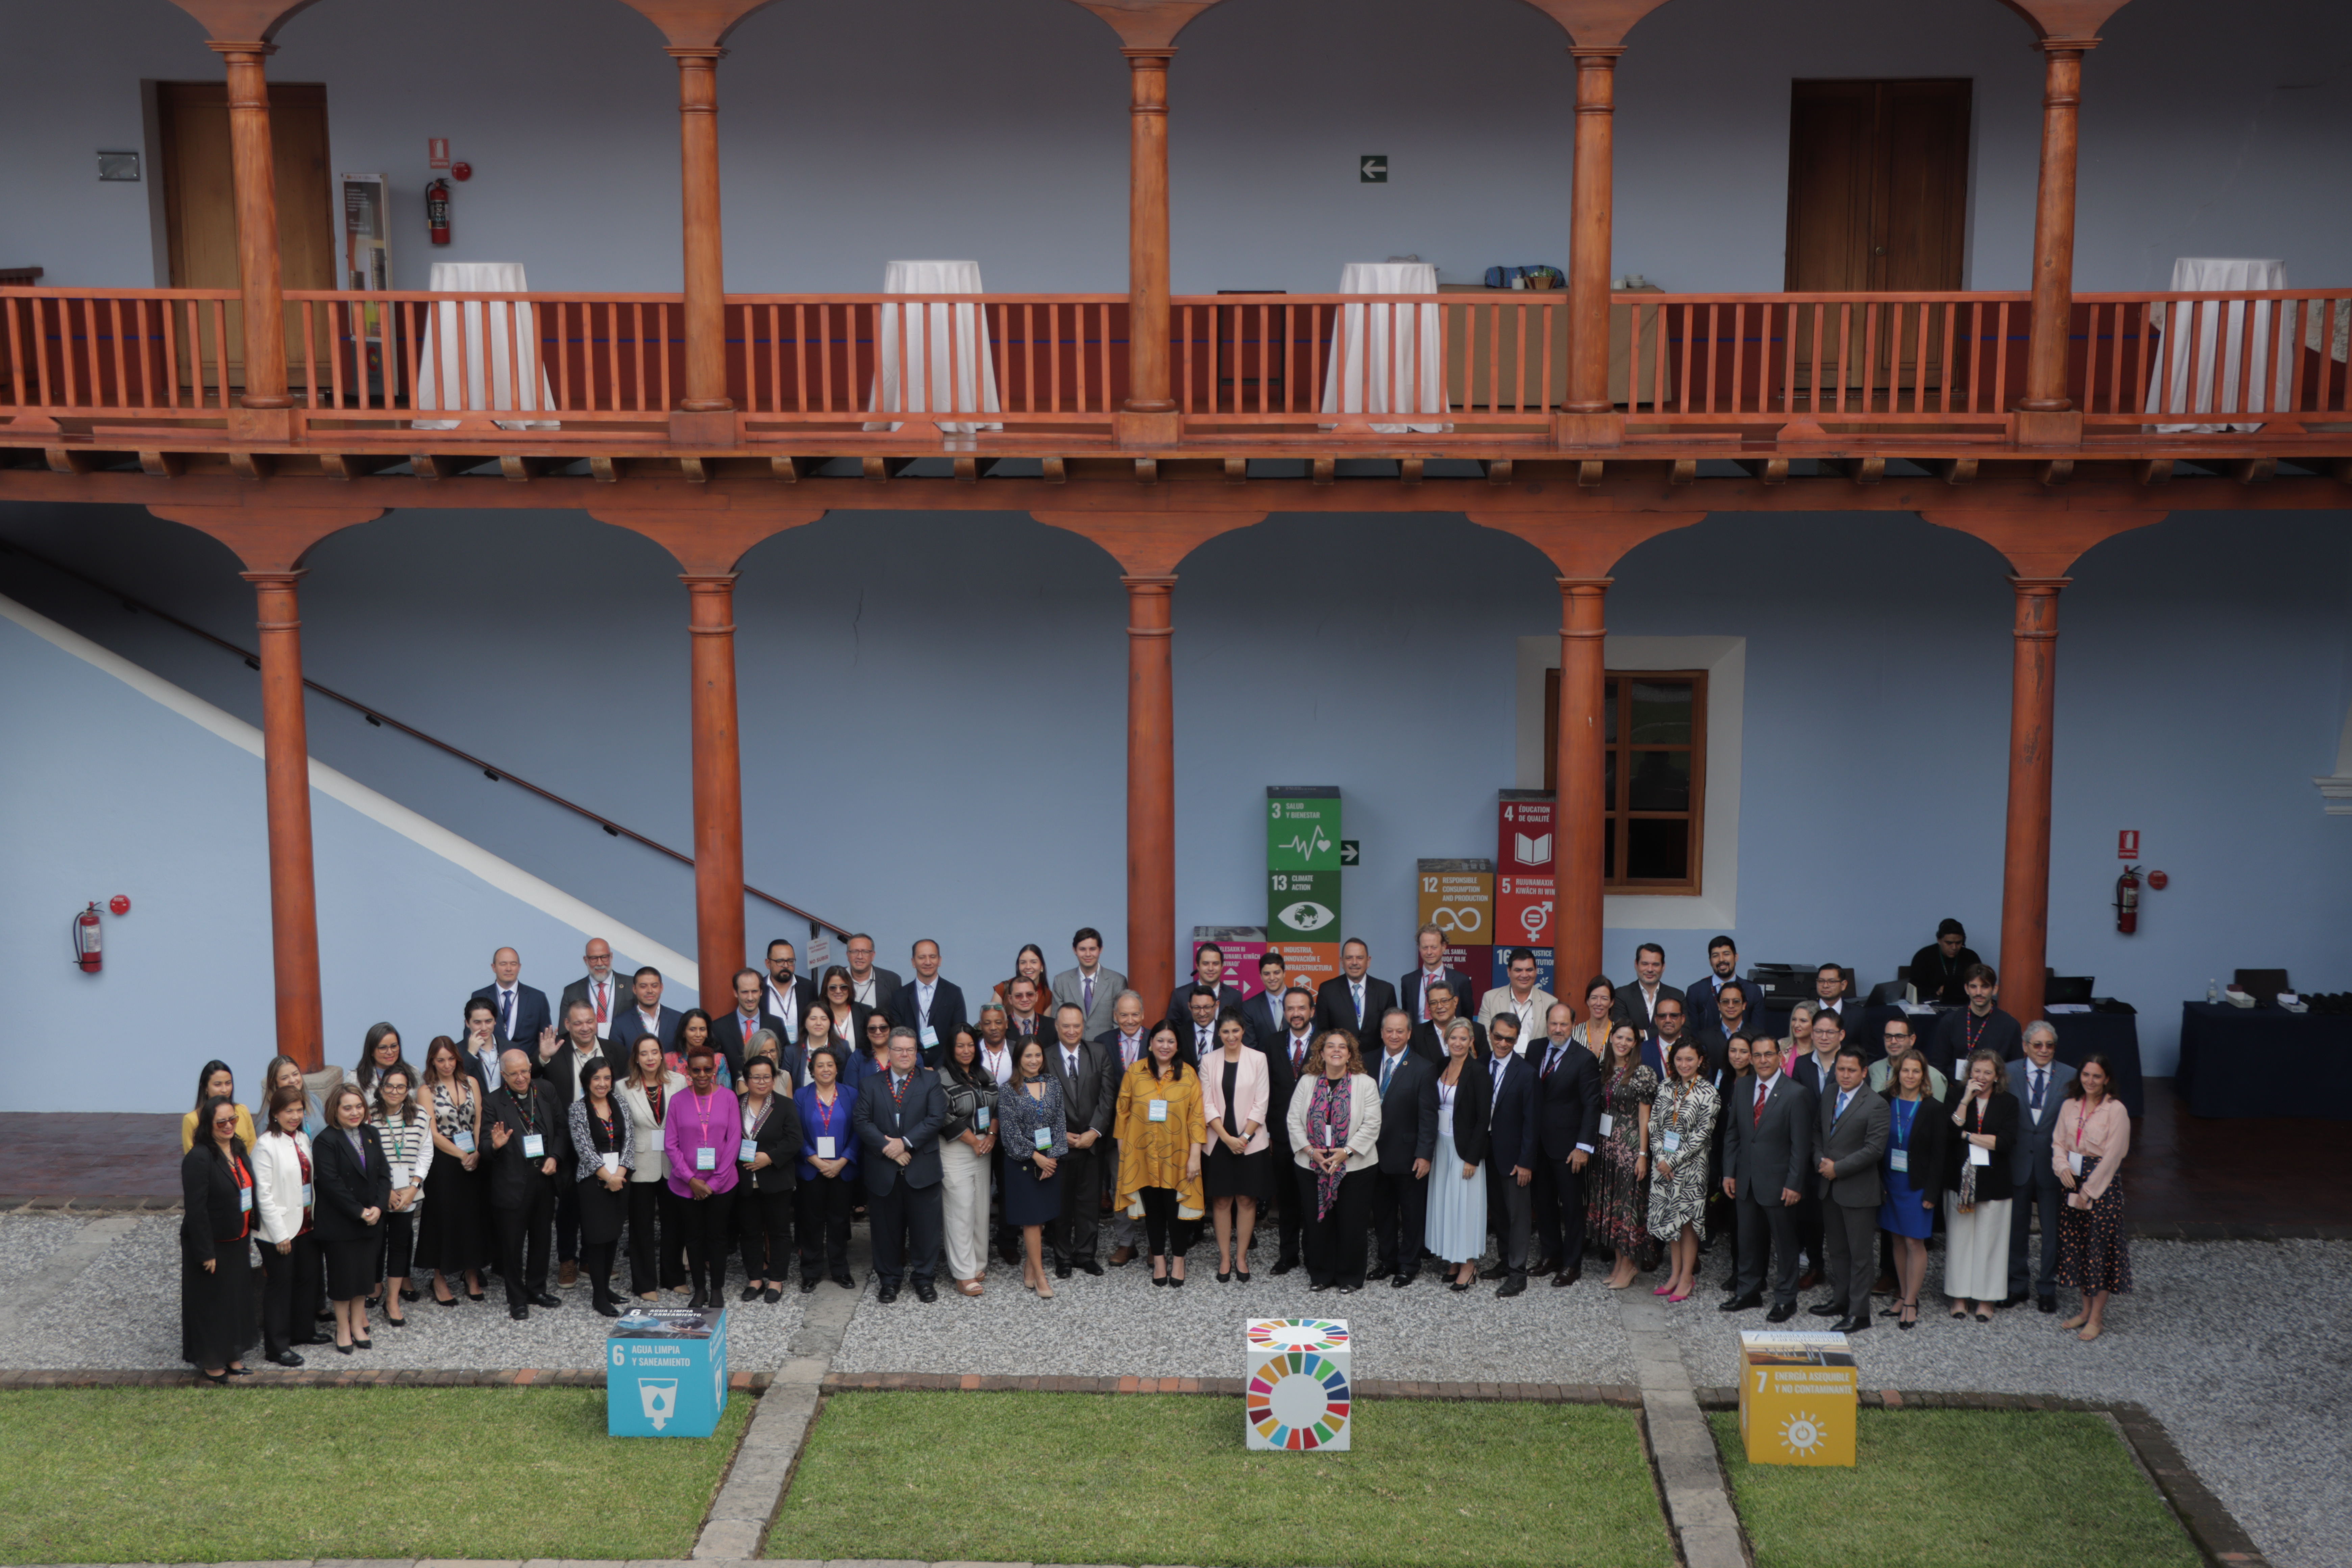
(1531, 851)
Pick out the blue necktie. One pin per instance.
(2040, 1076)
(1387, 1070)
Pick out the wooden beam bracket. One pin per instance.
(1236, 470)
(2254, 471)
(427, 466)
(2056, 470)
(1682, 471)
(1409, 470)
(1324, 470)
(251, 465)
(603, 470)
(164, 465)
(1861, 471)
(2154, 471)
(519, 469)
(1146, 470)
(1764, 471)
(1589, 470)
(1053, 470)
(1498, 470)
(70, 460)
(1954, 470)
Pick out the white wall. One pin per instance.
(998, 130)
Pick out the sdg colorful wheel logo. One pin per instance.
(1298, 1401)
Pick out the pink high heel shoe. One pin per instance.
(1660, 1289)
(1684, 1297)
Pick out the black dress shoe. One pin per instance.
(1781, 1313)
(2015, 1298)
(1517, 1285)
(286, 1358)
(696, 1302)
(1061, 1271)
(606, 1310)
(340, 1350)
(516, 1313)
(1543, 1266)
(808, 1285)
(1746, 1303)
(751, 1293)
(1086, 1266)
(772, 1294)
(330, 1317)
(886, 1294)
(1849, 1325)
(360, 1344)
(2047, 1303)
(1286, 1265)
(544, 1299)
(1323, 1285)
(1569, 1276)
(845, 1281)
(927, 1291)
(1398, 1281)
(1495, 1271)
(1828, 1310)
(239, 1371)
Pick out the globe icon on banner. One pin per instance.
(1305, 915)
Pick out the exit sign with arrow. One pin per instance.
(1372, 169)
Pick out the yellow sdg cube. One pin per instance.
(1797, 1398)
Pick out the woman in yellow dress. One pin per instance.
(1161, 1129)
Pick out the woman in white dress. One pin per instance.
(1460, 1103)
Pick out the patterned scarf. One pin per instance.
(1326, 1128)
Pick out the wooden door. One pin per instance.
(1878, 179)
(200, 207)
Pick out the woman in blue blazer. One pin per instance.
(828, 1172)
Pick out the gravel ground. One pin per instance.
(2237, 1347)
(124, 1311)
(26, 1240)
(1119, 1325)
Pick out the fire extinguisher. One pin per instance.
(86, 941)
(2127, 900)
(437, 211)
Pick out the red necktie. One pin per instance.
(599, 1002)
(1763, 1091)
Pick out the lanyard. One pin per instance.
(825, 1113)
(702, 1113)
(2083, 1122)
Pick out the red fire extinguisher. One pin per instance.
(2127, 900)
(86, 942)
(437, 211)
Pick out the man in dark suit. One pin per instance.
(1401, 1180)
(1511, 1157)
(2040, 1084)
(1700, 998)
(1288, 1057)
(1089, 1098)
(1197, 1033)
(522, 1012)
(1568, 1125)
(1429, 943)
(868, 986)
(644, 1014)
(1637, 1003)
(1265, 1010)
(528, 1143)
(1091, 984)
(731, 1031)
(1732, 1014)
(788, 995)
(1122, 1046)
(600, 988)
(898, 1119)
(559, 1065)
(932, 1007)
(1977, 1026)
(1666, 1032)
(1831, 996)
(1768, 1157)
(1445, 1007)
(1208, 976)
(1354, 999)
(1850, 1134)
(1816, 1070)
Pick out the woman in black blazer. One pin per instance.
(1982, 1117)
(769, 1155)
(1459, 1102)
(837, 994)
(1722, 1214)
(354, 1182)
(216, 1305)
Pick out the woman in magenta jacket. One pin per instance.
(701, 1135)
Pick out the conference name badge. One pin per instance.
(1673, 1141)
(2075, 1161)
(825, 1149)
(747, 1151)
(930, 1035)
(1045, 1137)
(1898, 1160)
(706, 1158)
(400, 1177)
(1159, 1110)
(534, 1147)
(306, 1194)
(1979, 1155)
(1607, 1121)
(980, 1118)
(245, 1200)
(610, 1161)
(464, 1139)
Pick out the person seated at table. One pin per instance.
(1939, 971)
(215, 1082)
(1979, 1027)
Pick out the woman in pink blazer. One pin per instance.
(1233, 1093)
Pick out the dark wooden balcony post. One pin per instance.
(253, 178)
(1588, 400)
(706, 279)
(1147, 234)
(2054, 231)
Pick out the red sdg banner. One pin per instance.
(1523, 907)
(1525, 860)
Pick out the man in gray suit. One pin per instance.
(1093, 986)
(1767, 1158)
(2040, 1084)
(1854, 1127)
(1089, 1096)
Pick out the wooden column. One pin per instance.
(706, 280)
(286, 774)
(1150, 788)
(1589, 413)
(1583, 803)
(717, 772)
(2053, 247)
(254, 176)
(1147, 245)
(2025, 858)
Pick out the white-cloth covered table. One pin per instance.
(962, 372)
(487, 380)
(1385, 345)
(2181, 369)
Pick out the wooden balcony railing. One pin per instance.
(1459, 369)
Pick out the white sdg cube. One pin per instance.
(1298, 1385)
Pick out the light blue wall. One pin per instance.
(104, 791)
(997, 129)
(934, 738)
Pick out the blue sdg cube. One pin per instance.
(666, 1373)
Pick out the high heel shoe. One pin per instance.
(1044, 1288)
(1241, 1276)
(342, 1349)
(360, 1344)
(1904, 1321)
(217, 1378)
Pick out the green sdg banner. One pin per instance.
(1302, 906)
(1302, 830)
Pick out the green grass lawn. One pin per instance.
(1962, 1487)
(1133, 1478)
(205, 1475)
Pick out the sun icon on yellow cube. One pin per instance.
(1801, 1434)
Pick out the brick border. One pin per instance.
(2217, 1536)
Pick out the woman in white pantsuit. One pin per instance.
(967, 1151)
(1976, 1189)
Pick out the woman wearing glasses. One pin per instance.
(849, 1015)
(216, 1245)
(699, 1141)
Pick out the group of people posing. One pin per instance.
(1369, 1128)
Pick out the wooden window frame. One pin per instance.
(1615, 812)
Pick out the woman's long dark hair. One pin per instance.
(205, 1139)
(206, 1076)
(2106, 1068)
(1175, 1073)
(365, 1075)
(957, 1071)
